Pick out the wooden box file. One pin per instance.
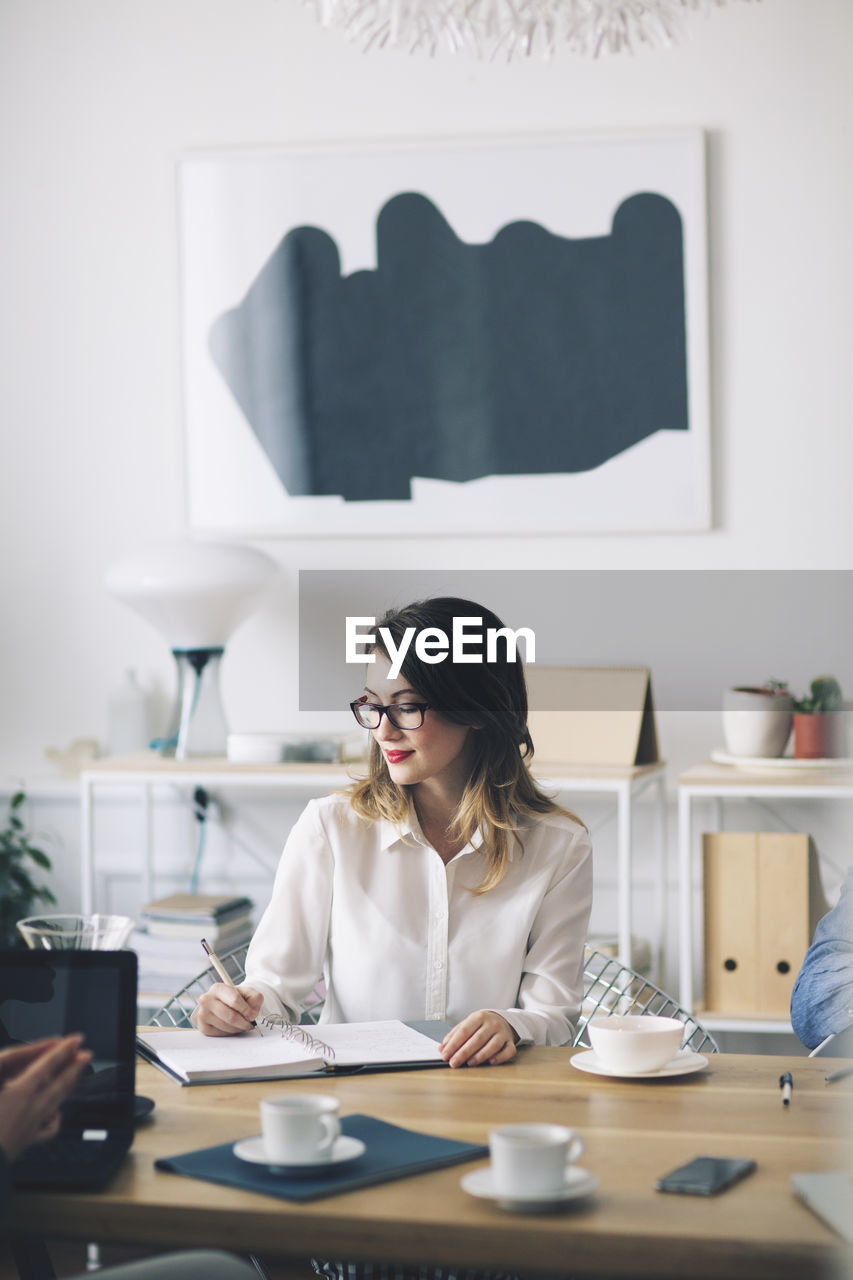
(763, 898)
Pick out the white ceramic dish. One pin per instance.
(579, 1182)
(683, 1064)
(779, 762)
(254, 1152)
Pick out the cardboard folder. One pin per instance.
(762, 901)
(592, 715)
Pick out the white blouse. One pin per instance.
(396, 933)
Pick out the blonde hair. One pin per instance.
(500, 791)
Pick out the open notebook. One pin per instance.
(275, 1054)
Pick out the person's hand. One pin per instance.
(34, 1080)
(226, 1011)
(482, 1039)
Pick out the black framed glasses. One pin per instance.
(403, 715)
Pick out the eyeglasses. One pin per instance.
(402, 715)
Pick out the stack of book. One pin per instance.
(167, 940)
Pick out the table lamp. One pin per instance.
(196, 594)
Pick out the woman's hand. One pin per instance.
(483, 1039)
(35, 1079)
(226, 1011)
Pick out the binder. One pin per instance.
(592, 715)
(762, 901)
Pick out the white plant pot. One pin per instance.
(756, 722)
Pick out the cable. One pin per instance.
(201, 800)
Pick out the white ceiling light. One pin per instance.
(509, 28)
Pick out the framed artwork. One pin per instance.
(460, 337)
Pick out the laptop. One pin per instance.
(49, 993)
(830, 1196)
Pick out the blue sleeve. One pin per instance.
(822, 998)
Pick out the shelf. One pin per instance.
(743, 1022)
(148, 770)
(719, 782)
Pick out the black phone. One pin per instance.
(705, 1176)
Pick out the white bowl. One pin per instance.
(633, 1042)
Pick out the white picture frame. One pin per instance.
(234, 210)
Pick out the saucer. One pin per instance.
(254, 1151)
(578, 1182)
(683, 1064)
(781, 762)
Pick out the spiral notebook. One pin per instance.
(282, 1052)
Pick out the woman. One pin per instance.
(444, 886)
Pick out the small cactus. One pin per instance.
(825, 695)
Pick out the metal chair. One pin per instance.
(610, 987)
(176, 1011)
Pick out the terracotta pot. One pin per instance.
(756, 721)
(819, 735)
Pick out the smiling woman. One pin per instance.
(445, 885)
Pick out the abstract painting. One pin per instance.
(467, 338)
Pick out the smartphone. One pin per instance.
(705, 1176)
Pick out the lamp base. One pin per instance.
(197, 726)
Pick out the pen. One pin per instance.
(786, 1084)
(219, 967)
(839, 1073)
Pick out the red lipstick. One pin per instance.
(394, 757)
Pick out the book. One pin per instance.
(153, 947)
(390, 1152)
(196, 906)
(216, 931)
(276, 1053)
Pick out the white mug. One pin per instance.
(300, 1128)
(529, 1159)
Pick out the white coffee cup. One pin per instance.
(532, 1159)
(633, 1042)
(300, 1128)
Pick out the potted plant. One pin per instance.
(818, 722)
(757, 719)
(19, 893)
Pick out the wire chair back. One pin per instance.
(610, 987)
(176, 1011)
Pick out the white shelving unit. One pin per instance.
(148, 771)
(715, 783)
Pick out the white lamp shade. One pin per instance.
(194, 593)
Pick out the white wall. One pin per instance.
(100, 97)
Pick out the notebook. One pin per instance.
(289, 1050)
(830, 1196)
(47, 993)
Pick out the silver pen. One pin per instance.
(839, 1073)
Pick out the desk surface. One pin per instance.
(153, 767)
(712, 775)
(633, 1132)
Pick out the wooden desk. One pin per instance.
(633, 1131)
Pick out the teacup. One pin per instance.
(300, 1128)
(633, 1042)
(532, 1159)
